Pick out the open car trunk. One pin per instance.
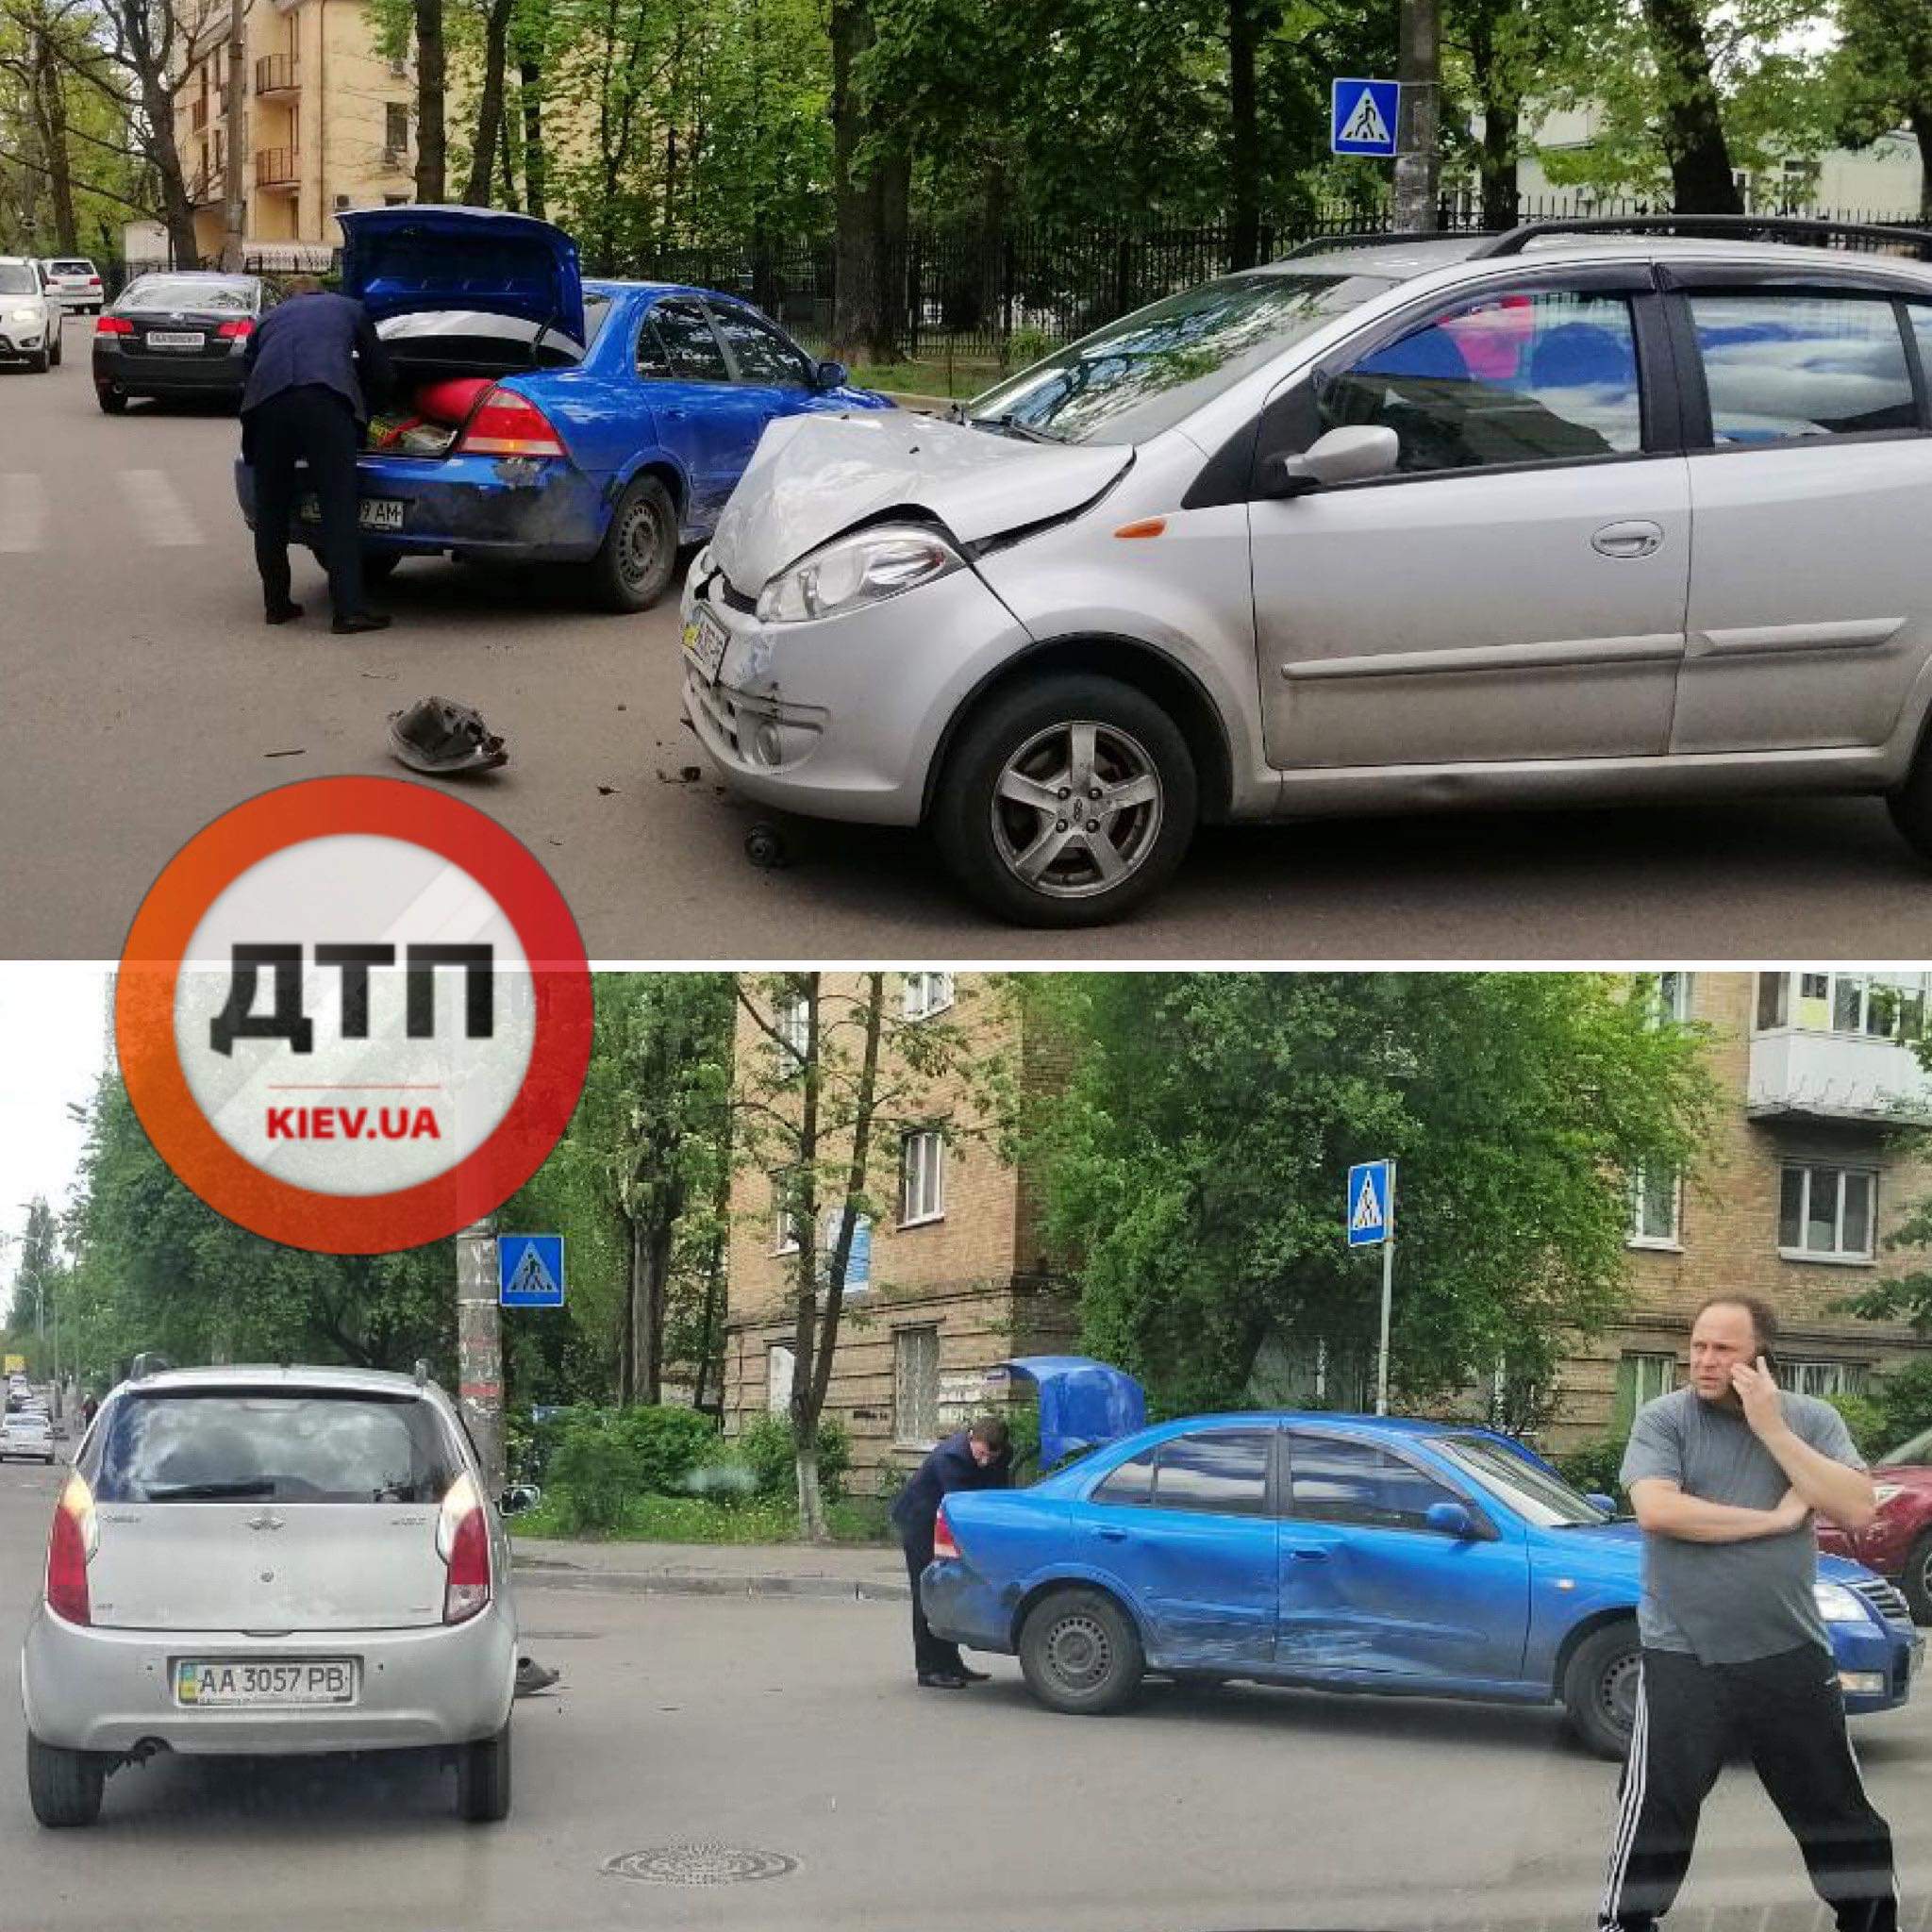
(444, 362)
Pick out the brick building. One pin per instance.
(1802, 1180)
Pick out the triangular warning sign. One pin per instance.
(1365, 123)
(1367, 1218)
(532, 1279)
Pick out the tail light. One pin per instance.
(93, 281)
(462, 1540)
(113, 325)
(508, 424)
(71, 1545)
(235, 331)
(943, 1543)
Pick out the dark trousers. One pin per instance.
(1789, 1713)
(315, 424)
(929, 1653)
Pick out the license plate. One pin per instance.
(372, 513)
(705, 637)
(174, 339)
(214, 1683)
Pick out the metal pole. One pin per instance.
(480, 1347)
(1419, 67)
(1388, 1292)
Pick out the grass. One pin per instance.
(928, 376)
(698, 1520)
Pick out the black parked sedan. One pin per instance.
(177, 333)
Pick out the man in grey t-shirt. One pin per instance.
(1725, 1476)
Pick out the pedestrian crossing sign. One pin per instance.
(1369, 1215)
(529, 1271)
(1362, 116)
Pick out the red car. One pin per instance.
(1898, 1544)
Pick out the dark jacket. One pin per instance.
(317, 339)
(949, 1467)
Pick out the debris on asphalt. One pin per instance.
(444, 738)
(685, 774)
(607, 790)
(301, 751)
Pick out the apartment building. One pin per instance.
(328, 126)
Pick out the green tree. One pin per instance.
(1880, 77)
(1194, 1169)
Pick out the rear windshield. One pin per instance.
(246, 1448)
(15, 280)
(179, 292)
(72, 268)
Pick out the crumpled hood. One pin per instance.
(814, 476)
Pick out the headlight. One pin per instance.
(863, 568)
(1838, 1605)
(25, 315)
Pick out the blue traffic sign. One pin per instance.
(529, 1271)
(1362, 116)
(1369, 1217)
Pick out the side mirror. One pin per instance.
(1342, 455)
(1607, 1503)
(519, 1497)
(1451, 1519)
(832, 376)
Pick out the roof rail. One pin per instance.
(1737, 228)
(1365, 238)
(150, 1361)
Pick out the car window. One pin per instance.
(1781, 367)
(181, 291)
(1535, 1492)
(596, 313)
(1223, 1472)
(1333, 1480)
(251, 1447)
(1132, 1482)
(690, 350)
(761, 356)
(72, 268)
(1517, 379)
(18, 280)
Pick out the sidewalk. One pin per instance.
(860, 1573)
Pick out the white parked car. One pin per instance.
(26, 1435)
(1570, 514)
(77, 281)
(30, 314)
(271, 1562)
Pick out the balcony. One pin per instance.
(278, 168)
(1797, 1073)
(278, 73)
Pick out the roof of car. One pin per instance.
(278, 1376)
(1403, 260)
(1323, 1418)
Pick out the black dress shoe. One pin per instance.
(362, 621)
(969, 1675)
(941, 1680)
(284, 613)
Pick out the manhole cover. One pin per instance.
(699, 1865)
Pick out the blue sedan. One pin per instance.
(1343, 1553)
(544, 419)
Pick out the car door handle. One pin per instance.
(1309, 1555)
(1114, 1536)
(1637, 538)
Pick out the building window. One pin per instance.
(922, 1177)
(395, 201)
(1826, 1213)
(1668, 997)
(1880, 1006)
(784, 1218)
(778, 1365)
(1822, 1378)
(1654, 1198)
(397, 132)
(916, 1387)
(1641, 1378)
(1773, 1001)
(926, 993)
(794, 1025)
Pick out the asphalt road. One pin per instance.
(144, 697)
(791, 1726)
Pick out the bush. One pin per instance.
(1904, 1397)
(1595, 1469)
(764, 1447)
(592, 1478)
(1867, 1420)
(665, 1444)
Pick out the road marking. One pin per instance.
(22, 510)
(164, 518)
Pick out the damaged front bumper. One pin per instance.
(526, 509)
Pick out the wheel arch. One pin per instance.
(1585, 1630)
(1037, 1593)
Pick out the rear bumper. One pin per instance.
(963, 1607)
(521, 510)
(156, 375)
(109, 1690)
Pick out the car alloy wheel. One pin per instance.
(1076, 810)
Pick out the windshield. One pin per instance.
(1537, 1494)
(183, 292)
(1147, 372)
(15, 280)
(1918, 1450)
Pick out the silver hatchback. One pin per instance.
(271, 1562)
(1564, 514)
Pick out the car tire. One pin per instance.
(483, 1779)
(1080, 1654)
(1916, 1580)
(63, 1787)
(1037, 732)
(59, 345)
(1600, 1686)
(39, 361)
(379, 566)
(111, 401)
(639, 555)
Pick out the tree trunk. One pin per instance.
(177, 208)
(234, 184)
(650, 1277)
(51, 117)
(506, 148)
(1245, 134)
(1700, 179)
(714, 1285)
(1501, 117)
(489, 103)
(855, 263)
(811, 1504)
(1921, 119)
(536, 187)
(431, 77)
(628, 1320)
(895, 232)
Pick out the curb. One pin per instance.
(555, 1576)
